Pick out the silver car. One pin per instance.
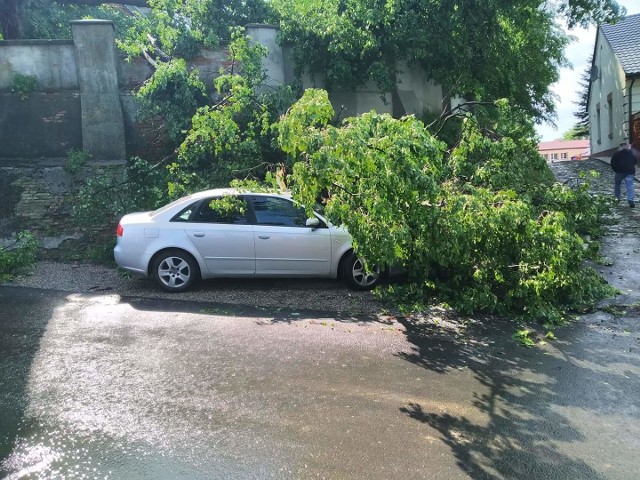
(264, 235)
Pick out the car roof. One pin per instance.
(234, 191)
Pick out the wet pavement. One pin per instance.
(110, 386)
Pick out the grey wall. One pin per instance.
(52, 62)
(84, 96)
(82, 108)
(44, 125)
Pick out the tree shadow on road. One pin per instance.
(523, 397)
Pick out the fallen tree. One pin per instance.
(481, 226)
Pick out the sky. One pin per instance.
(568, 88)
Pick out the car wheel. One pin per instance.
(357, 276)
(175, 271)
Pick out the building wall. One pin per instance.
(48, 126)
(47, 123)
(103, 134)
(561, 154)
(608, 111)
(89, 71)
(632, 107)
(416, 92)
(35, 197)
(364, 99)
(267, 35)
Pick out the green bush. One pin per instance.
(76, 159)
(20, 255)
(174, 93)
(24, 85)
(102, 252)
(107, 196)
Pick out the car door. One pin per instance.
(224, 238)
(284, 244)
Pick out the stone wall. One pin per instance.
(84, 100)
(37, 197)
(76, 105)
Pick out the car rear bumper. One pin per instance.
(137, 265)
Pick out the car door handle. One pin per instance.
(264, 237)
(198, 234)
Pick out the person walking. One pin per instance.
(623, 163)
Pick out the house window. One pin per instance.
(546, 156)
(598, 117)
(610, 107)
(554, 156)
(564, 156)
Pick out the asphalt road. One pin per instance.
(104, 386)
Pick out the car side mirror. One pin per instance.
(313, 222)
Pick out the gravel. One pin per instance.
(290, 294)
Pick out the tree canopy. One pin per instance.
(176, 22)
(581, 128)
(479, 49)
(481, 226)
(50, 19)
(180, 27)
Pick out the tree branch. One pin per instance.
(454, 112)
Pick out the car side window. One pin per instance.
(227, 209)
(185, 214)
(278, 211)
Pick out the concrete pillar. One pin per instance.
(97, 64)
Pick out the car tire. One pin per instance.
(355, 275)
(175, 271)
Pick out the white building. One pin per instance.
(614, 90)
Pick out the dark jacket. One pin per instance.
(624, 161)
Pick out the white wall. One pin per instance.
(611, 128)
(352, 103)
(416, 91)
(416, 94)
(349, 104)
(274, 62)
